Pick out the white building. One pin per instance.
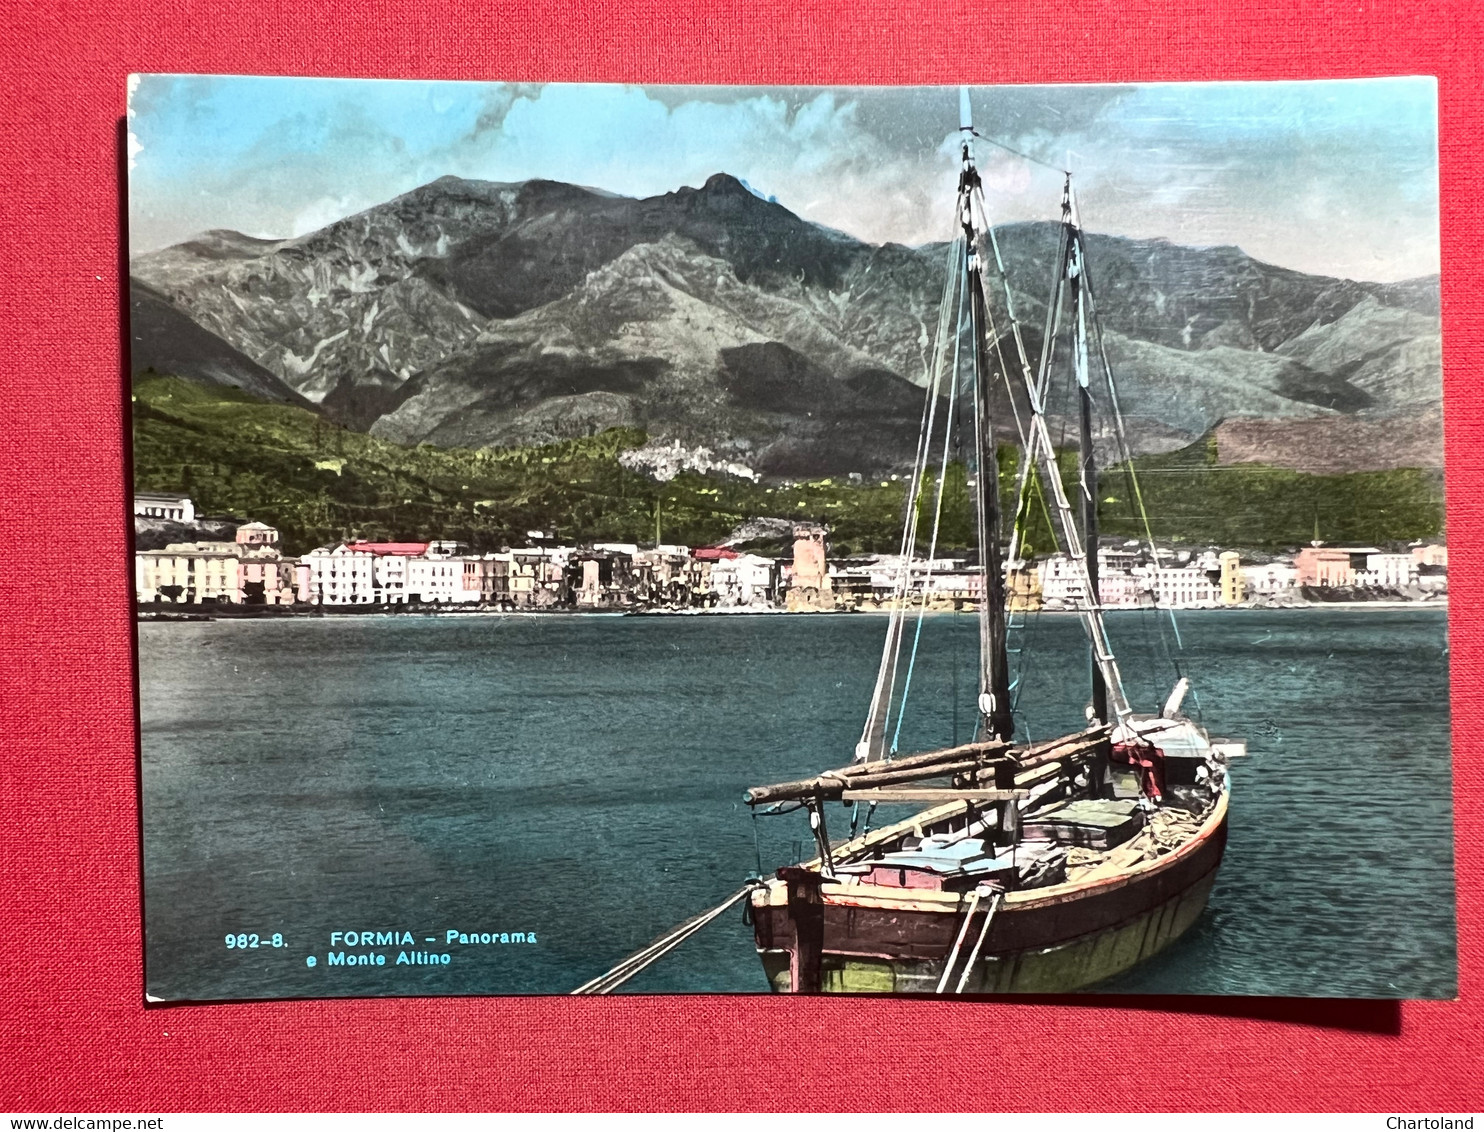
(1119, 581)
(1269, 579)
(954, 585)
(1118, 588)
(887, 567)
(451, 579)
(1388, 571)
(1118, 560)
(256, 534)
(743, 580)
(362, 573)
(390, 569)
(1061, 581)
(164, 505)
(341, 575)
(1183, 587)
(1430, 554)
(393, 573)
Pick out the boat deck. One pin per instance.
(1114, 908)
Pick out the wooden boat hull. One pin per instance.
(867, 939)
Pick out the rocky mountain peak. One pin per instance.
(724, 184)
(481, 312)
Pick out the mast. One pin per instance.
(1087, 478)
(1041, 449)
(994, 661)
(966, 318)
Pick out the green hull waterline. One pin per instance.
(1072, 965)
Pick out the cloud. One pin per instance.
(266, 156)
(1335, 177)
(815, 154)
(1332, 177)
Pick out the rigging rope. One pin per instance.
(879, 715)
(1041, 446)
(1126, 456)
(958, 338)
(625, 970)
(1024, 156)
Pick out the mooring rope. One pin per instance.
(625, 970)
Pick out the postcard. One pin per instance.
(938, 541)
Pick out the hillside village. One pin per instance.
(248, 573)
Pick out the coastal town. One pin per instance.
(248, 572)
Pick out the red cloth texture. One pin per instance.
(74, 1031)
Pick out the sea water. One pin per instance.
(564, 789)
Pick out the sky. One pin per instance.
(1333, 177)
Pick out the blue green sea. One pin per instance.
(577, 780)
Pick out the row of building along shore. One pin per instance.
(250, 570)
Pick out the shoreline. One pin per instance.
(149, 615)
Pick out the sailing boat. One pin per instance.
(1029, 867)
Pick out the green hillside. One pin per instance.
(319, 483)
(1192, 498)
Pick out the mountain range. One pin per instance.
(470, 313)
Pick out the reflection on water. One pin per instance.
(579, 779)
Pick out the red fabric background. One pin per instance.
(73, 1030)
